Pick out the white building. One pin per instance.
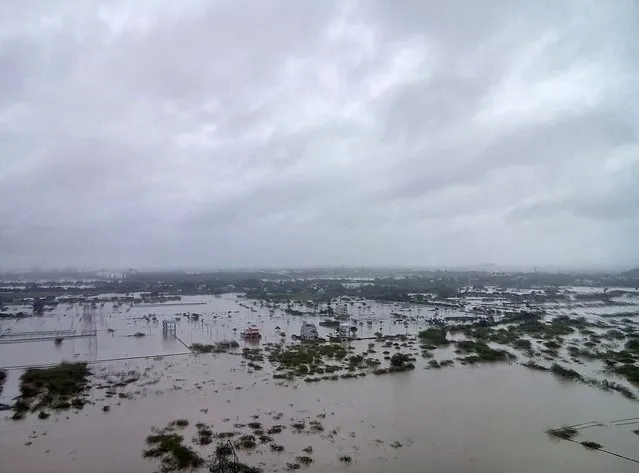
(309, 332)
(345, 330)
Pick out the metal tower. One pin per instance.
(89, 329)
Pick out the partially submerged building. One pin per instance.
(38, 305)
(346, 331)
(309, 331)
(341, 311)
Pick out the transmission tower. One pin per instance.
(89, 329)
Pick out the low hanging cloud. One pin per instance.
(263, 133)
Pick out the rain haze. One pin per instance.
(288, 133)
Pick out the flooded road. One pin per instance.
(486, 418)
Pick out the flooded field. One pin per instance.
(467, 416)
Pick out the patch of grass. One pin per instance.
(276, 429)
(591, 445)
(204, 434)
(433, 337)
(304, 460)
(522, 344)
(180, 423)
(3, 377)
(246, 442)
(277, 448)
(316, 426)
(565, 373)
(53, 387)
(631, 372)
(552, 344)
(173, 454)
(481, 352)
(298, 426)
(253, 354)
(346, 459)
(305, 359)
(565, 432)
(223, 450)
(202, 348)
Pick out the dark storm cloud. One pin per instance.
(287, 133)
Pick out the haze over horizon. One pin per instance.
(273, 134)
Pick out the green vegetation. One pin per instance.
(174, 455)
(304, 460)
(246, 442)
(180, 423)
(316, 426)
(253, 354)
(480, 352)
(298, 426)
(201, 348)
(631, 372)
(220, 347)
(400, 360)
(534, 366)
(57, 387)
(307, 359)
(433, 337)
(566, 373)
(522, 344)
(565, 432)
(394, 369)
(591, 445)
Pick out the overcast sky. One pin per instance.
(262, 133)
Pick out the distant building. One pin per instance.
(309, 331)
(38, 305)
(345, 331)
(341, 311)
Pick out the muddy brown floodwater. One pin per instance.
(486, 418)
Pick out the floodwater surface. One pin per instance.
(486, 418)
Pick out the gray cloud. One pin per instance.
(286, 133)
